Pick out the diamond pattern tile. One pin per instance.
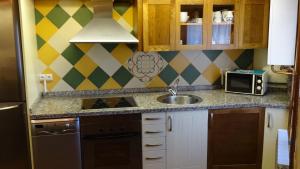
(168, 75)
(98, 77)
(190, 74)
(83, 16)
(47, 54)
(58, 16)
(74, 78)
(55, 80)
(72, 54)
(122, 76)
(85, 66)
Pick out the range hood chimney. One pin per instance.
(103, 28)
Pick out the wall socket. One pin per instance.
(47, 77)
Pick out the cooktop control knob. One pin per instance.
(258, 81)
(258, 87)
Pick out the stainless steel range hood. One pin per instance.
(103, 28)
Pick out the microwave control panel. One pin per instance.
(258, 87)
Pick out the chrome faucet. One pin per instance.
(173, 90)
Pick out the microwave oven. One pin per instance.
(246, 82)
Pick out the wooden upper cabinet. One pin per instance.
(254, 23)
(235, 138)
(158, 25)
(222, 34)
(191, 32)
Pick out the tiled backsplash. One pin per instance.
(115, 66)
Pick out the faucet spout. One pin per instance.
(173, 90)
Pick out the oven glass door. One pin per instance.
(112, 153)
(240, 83)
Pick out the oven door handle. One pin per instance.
(111, 136)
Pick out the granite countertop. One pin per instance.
(60, 107)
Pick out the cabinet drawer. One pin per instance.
(154, 118)
(155, 166)
(157, 130)
(154, 158)
(156, 143)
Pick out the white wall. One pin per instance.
(30, 55)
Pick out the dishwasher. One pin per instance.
(56, 143)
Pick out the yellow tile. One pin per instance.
(110, 84)
(47, 54)
(116, 16)
(86, 85)
(122, 53)
(234, 54)
(56, 78)
(212, 73)
(179, 63)
(85, 66)
(85, 47)
(156, 82)
(45, 6)
(45, 29)
(128, 16)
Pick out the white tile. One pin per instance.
(70, 6)
(201, 62)
(62, 86)
(201, 81)
(61, 66)
(192, 54)
(182, 82)
(224, 62)
(135, 83)
(104, 59)
(60, 40)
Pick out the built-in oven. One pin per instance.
(111, 142)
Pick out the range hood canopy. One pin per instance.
(103, 28)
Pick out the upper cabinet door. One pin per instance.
(187, 140)
(158, 25)
(254, 23)
(223, 24)
(190, 20)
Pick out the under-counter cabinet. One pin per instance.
(235, 138)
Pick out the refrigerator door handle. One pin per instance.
(9, 107)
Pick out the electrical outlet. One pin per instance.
(47, 77)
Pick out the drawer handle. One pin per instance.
(152, 118)
(153, 145)
(153, 158)
(153, 132)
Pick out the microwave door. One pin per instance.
(240, 83)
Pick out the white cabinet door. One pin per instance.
(274, 119)
(187, 139)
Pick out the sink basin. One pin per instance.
(179, 99)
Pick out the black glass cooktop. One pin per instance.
(111, 102)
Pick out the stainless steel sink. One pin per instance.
(179, 99)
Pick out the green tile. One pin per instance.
(121, 8)
(168, 75)
(72, 54)
(132, 46)
(190, 74)
(245, 59)
(40, 41)
(58, 16)
(74, 78)
(212, 54)
(83, 15)
(122, 76)
(169, 55)
(109, 46)
(98, 77)
(38, 16)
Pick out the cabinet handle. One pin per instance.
(170, 123)
(152, 132)
(153, 158)
(211, 119)
(152, 118)
(153, 145)
(269, 121)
